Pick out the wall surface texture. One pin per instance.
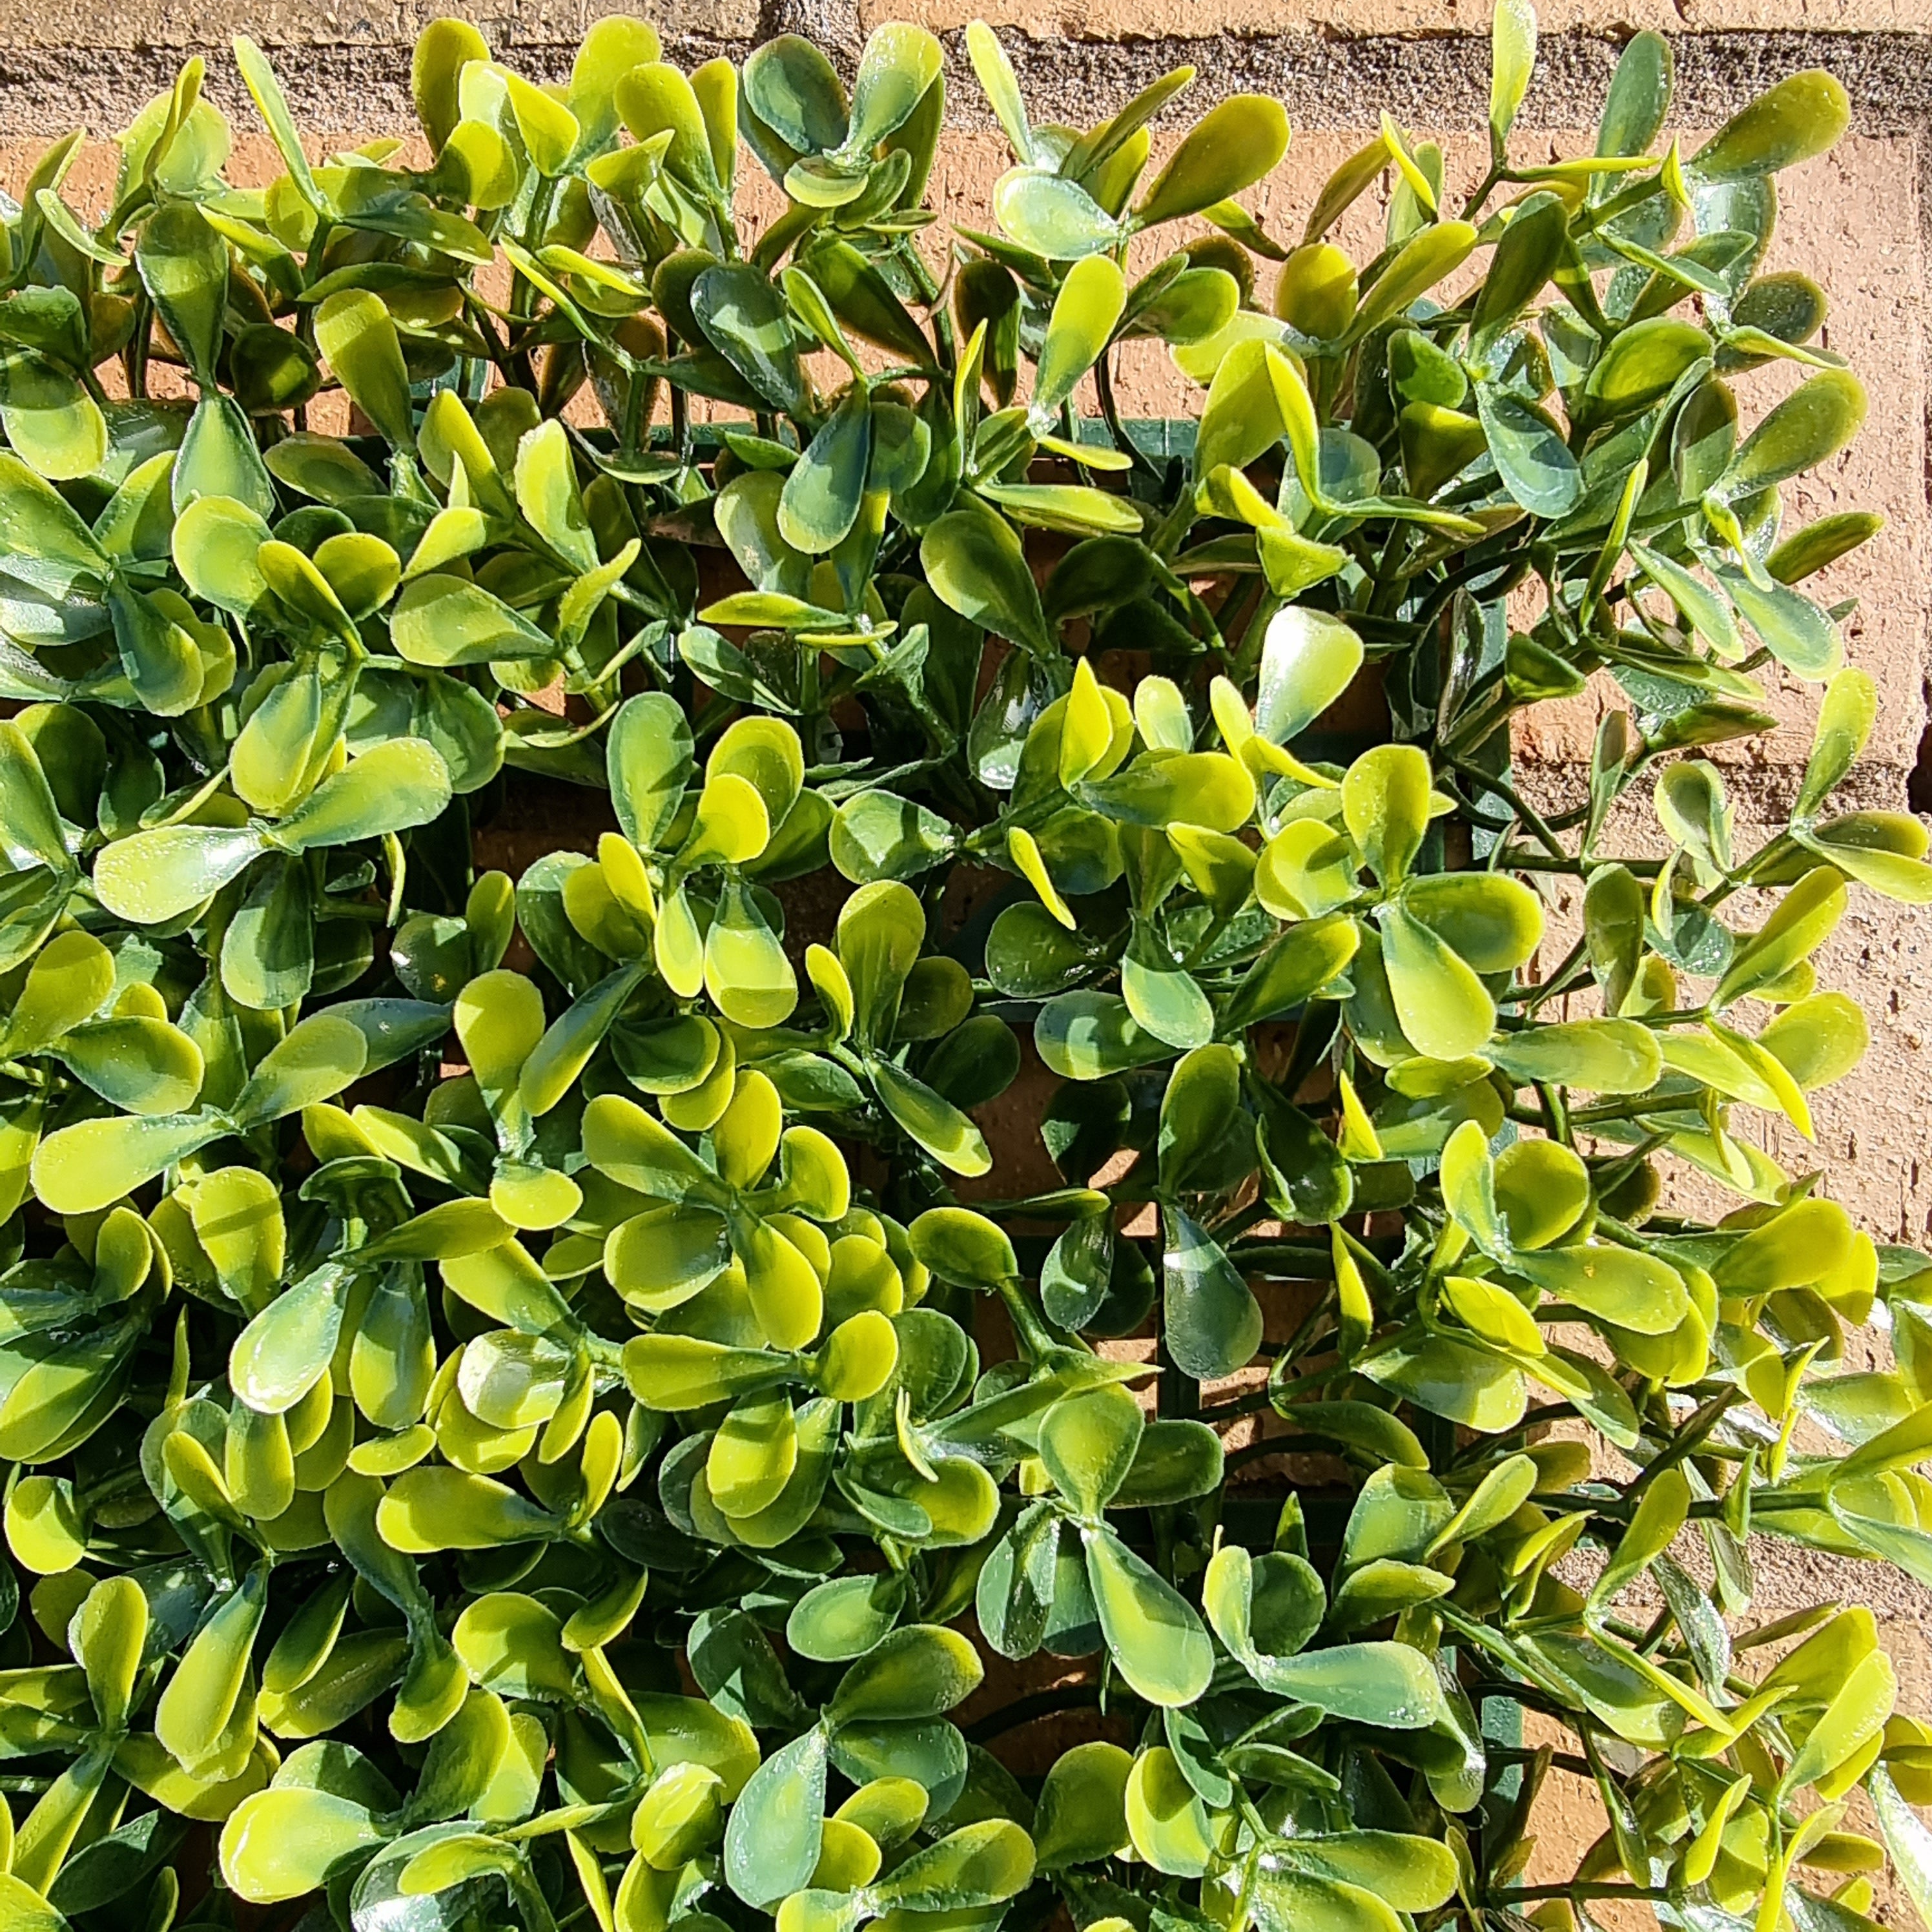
(1859, 221)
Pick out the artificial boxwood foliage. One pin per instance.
(507, 1420)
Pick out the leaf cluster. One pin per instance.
(552, 1399)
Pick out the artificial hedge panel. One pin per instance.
(477, 1456)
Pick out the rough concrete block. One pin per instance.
(1118, 20)
(204, 26)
